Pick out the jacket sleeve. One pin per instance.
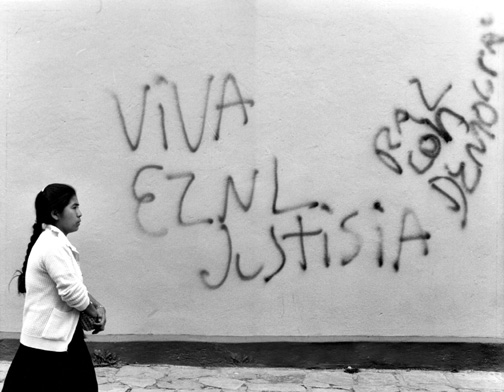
(67, 276)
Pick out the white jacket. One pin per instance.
(55, 293)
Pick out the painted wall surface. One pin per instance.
(263, 169)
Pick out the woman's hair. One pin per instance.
(54, 198)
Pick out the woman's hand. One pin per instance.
(101, 320)
(101, 317)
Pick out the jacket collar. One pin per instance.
(61, 236)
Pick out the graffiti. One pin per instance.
(204, 274)
(160, 81)
(305, 232)
(439, 126)
(308, 204)
(243, 198)
(230, 184)
(301, 234)
(144, 199)
(358, 239)
(419, 234)
(410, 226)
(191, 177)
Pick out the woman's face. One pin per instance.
(69, 219)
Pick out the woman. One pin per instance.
(52, 355)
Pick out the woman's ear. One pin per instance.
(55, 215)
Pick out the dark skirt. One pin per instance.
(41, 371)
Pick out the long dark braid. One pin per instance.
(54, 198)
(37, 230)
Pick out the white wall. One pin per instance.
(318, 81)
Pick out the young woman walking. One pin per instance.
(52, 355)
